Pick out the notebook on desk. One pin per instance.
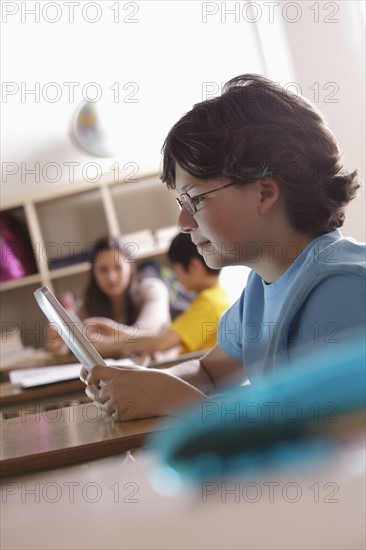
(30, 378)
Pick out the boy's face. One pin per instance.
(226, 227)
(183, 276)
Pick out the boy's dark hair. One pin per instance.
(257, 128)
(182, 250)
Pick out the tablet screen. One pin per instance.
(67, 328)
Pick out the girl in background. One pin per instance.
(115, 295)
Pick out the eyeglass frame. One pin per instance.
(192, 208)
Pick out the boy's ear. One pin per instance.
(270, 192)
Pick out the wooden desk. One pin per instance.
(56, 424)
(14, 399)
(18, 402)
(12, 393)
(67, 435)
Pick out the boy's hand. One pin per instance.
(131, 393)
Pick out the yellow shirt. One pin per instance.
(197, 327)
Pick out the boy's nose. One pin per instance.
(186, 223)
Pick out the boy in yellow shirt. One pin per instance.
(196, 328)
(193, 330)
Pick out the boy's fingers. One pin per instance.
(90, 391)
(102, 395)
(98, 373)
(83, 374)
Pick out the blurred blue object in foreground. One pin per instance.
(298, 414)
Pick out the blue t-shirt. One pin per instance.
(319, 301)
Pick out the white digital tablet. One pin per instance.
(68, 329)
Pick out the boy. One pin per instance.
(260, 183)
(193, 330)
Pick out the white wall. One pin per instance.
(333, 55)
(164, 50)
(170, 51)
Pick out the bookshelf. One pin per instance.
(63, 221)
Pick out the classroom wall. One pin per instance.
(333, 55)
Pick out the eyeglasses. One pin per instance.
(190, 203)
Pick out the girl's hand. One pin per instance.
(102, 326)
(54, 342)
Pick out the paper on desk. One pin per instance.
(21, 357)
(28, 378)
